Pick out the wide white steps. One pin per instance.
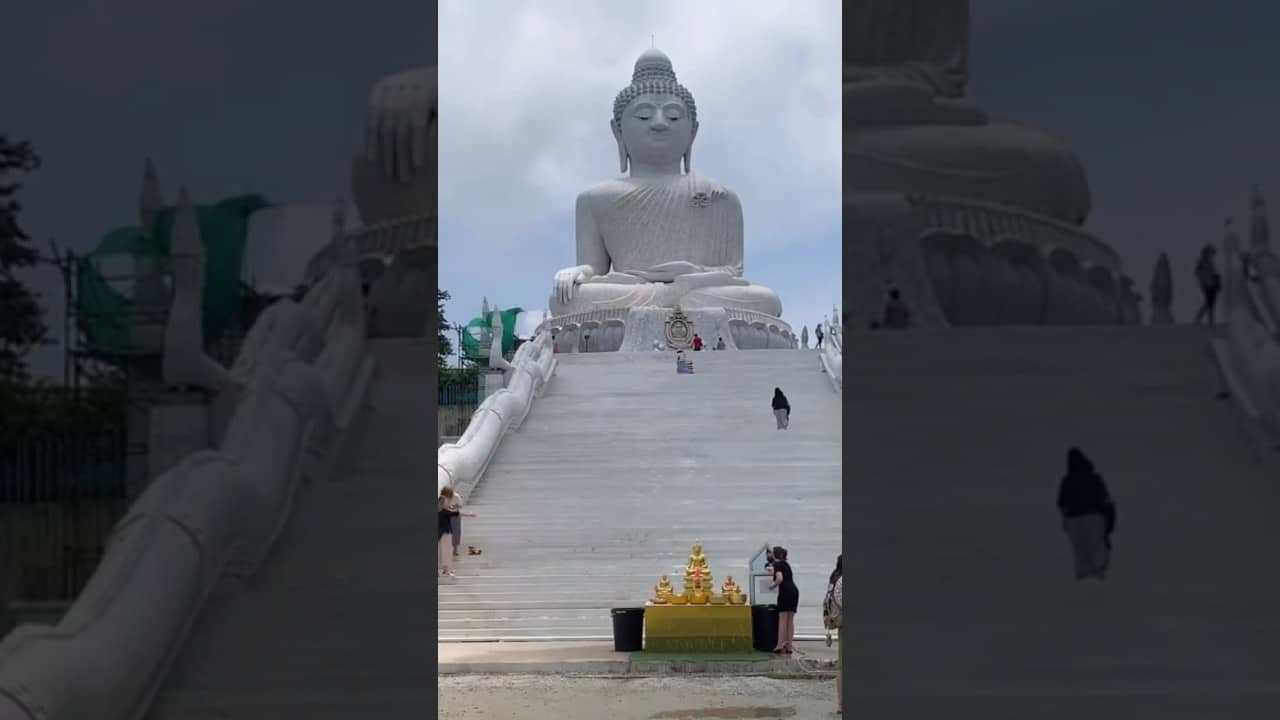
(622, 464)
(959, 577)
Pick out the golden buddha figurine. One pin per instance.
(663, 591)
(732, 592)
(699, 596)
(696, 558)
(698, 568)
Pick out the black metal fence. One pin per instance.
(60, 495)
(456, 401)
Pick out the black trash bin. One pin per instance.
(628, 629)
(764, 627)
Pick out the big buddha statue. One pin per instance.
(661, 236)
(976, 219)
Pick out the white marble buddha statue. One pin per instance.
(661, 235)
(910, 130)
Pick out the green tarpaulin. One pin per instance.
(478, 335)
(105, 287)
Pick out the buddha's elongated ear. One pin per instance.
(687, 158)
(623, 157)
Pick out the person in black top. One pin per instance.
(897, 315)
(781, 409)
(1210, 282)
(788, 601)
(446, 511)
(1088, 515)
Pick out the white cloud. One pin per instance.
(526, 95)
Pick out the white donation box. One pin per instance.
(761, 578)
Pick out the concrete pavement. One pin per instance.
(517, 697)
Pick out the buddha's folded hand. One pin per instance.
(402, 124)
(569, 278)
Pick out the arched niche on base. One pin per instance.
(1028, 299)
(1106, 295)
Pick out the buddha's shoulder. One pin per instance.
(606, 190)
(619, 187)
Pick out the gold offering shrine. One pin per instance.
(697, 619)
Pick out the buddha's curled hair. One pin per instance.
(653, 75)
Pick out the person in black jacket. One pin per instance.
(1088, 516)
(781, 409)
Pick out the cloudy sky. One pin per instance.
(227, 97)
(524, 127)
(1168, 105)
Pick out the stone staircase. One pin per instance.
(958, 563)
(622, 464)
(320, 630)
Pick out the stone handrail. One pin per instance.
(298, 381)
(460, 464)
(1264, 288)
(833, 351)
(1249, 354)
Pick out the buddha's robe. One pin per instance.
(642, 224)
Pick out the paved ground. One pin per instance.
(683, 698)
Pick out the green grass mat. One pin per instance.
(754, 656)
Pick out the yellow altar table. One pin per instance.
(697, 628)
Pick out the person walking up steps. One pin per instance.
(1210, 282)
(817, 334)
(781, 409)
(1088, 516)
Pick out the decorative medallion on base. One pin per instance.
(679, 330)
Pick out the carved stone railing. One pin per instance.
(832, 354)
(382, 241)
(989, 223)
(1249, 354)
(460, 464)
(297, 383)
(388, 239)
(743, 329)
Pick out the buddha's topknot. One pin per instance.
(653, 75)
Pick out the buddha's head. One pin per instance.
(654, 118)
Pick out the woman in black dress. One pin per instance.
(788, 601)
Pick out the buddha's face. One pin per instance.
(656, 129)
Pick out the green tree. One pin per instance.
(21, 317)
(444, 347)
